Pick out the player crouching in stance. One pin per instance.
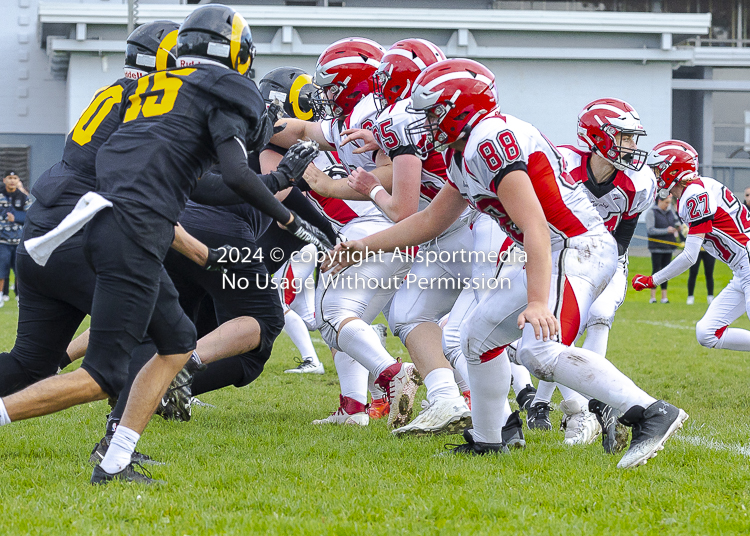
(720, 223)
(509, 170)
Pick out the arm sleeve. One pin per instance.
(682, 262)
(240, 178)
(624, 234)
(297, 202)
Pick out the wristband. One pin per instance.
(375, 191)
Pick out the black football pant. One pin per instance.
(133, 295)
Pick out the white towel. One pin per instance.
(41, 247)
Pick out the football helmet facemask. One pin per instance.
(151, 47)
(599, 124)
(217, 33)
(673, 162)
(399, 67)
(343, 75)
(293, 88)
(451, 96)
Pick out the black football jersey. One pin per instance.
(172, 124)
(67, 181)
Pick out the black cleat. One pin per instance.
(651, 429)
(176, 404)
(513, 432)
(129, 474)
(614, 434)
(525, 397)
(537, 417)
(100, 449)
(477, 449)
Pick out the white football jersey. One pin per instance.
(362, 116)
(710, 208)
(501, 143)
(627, 195)
(338, 211)
(390, 133)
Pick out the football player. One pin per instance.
(175, 125)
(720, 223)
(509, 170)
(416, 308)
(346, 306)
(619, 185)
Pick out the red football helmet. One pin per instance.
(344, 75)
(673, 162)
(400, 66)
(453, 95)
(601, 121)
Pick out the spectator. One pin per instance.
(708, 270)
(13, 205)
(747, 197)
(662, 228)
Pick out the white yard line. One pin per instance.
(712, 444)
(664, 324)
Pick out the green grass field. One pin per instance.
(254, 464)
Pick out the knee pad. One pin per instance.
(329, 335)
(600, 321)
(451, 348)
(706, 335)
(539, 359)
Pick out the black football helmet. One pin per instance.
(292, 87)
(151, 47)
(217, 33)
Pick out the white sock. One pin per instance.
(593, 376)
(358, 340)
(4, 418)
(441, 384)
(597, 337)
(490, 384)
(352, 377)
(569, 394)
(461, 381)
(375, 391)
(120, 450)
(296, 328)
(520, 377)
(544, 392)
(735, 339)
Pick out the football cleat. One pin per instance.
(651, 429)
(379, 408)
(177, 401)
(400, 382)
(307, 366)
(444, 416)
(525, 397)
(580, 426)
(129, 474)
(513, 432)
(382, 332)
(475, 448)
(467, 398)
(537, 417)
(100, 449)
(350, 412)
(691, 300)
(614, 434)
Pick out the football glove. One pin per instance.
(642, 282)
(309, 233)
(218, 259)
(294, 163)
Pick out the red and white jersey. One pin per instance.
(503, 143)
(623, 198)
(362, 116)
(710, 208)
(338, 211)
(390, 133)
